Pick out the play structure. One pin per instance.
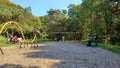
(24, 42)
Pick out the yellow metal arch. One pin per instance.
(13, 22)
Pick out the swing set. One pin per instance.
(36, 32)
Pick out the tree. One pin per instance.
(12, 12)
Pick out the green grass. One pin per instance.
(112, 48)
(72, 40)
(43, 40)
(3, 43)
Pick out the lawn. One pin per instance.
(112, 48)
(3, 42)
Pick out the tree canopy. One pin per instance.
(13, 12)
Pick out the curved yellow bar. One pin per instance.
(34, 38)
(13, 22)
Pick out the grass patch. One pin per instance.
(72, 40)
(3, 43)
(43, 40)
(112, 48)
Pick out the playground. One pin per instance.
(83, 34)
(54, 54)
(58, 55)
(12, 38)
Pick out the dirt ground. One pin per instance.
(58, 55)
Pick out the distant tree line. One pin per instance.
(89, 17)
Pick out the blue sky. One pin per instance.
(40, 7)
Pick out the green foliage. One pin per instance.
(87, 18)
(55, 20)
(93, 16)
(23, 16)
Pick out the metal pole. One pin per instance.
(1, 51)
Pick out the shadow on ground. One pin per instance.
(65, 52)
(74, 55)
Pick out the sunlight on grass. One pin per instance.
(113, 48)
(3, 43)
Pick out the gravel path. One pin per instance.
(58, 55)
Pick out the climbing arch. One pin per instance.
(19, 27)
(21, 31)
(13, 22)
